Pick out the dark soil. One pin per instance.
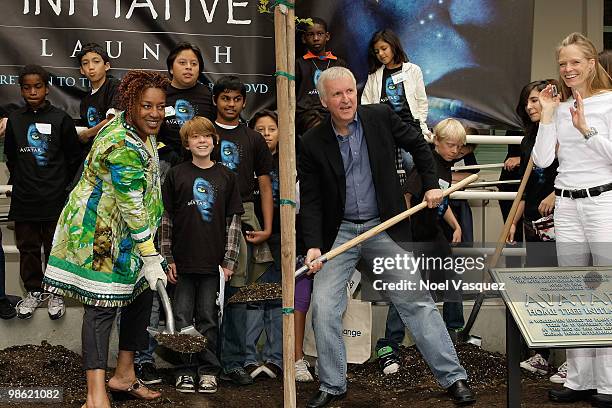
(182, 343)
(412, 386)
(257, 292)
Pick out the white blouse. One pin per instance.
(582, 163)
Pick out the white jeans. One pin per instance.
(583, 228)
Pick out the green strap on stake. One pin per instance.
(284, 3)
(285, 201)
(287, 310)
(285, 74)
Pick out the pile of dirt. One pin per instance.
(44, 365)
(485, 370)
(257, 292)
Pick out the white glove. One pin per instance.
(154, 269)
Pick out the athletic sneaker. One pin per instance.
(561, 375)
(55, 306)
(185, 384)
(207, 384)
(388, 360)
(147, 373)
(302, 374)
(535, 364)
(27, 306)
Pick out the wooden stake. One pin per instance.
(284, 34)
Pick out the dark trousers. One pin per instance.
(195, 304)
(2, 271)
(97, 325)
(30, 238)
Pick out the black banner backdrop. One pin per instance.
(138, 34)
(475, 54)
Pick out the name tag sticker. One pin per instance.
(443, 184)
(170, 111)
(398, 77)
(44, 128)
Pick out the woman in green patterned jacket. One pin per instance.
(103, 253)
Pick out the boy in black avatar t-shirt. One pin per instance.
(97, 107)
(41, 149)
(200, 232)
(245, 152)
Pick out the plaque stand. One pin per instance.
(513, 357)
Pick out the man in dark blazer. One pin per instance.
(348, 185)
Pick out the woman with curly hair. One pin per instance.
(103, 253)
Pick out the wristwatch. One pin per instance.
(592, 132)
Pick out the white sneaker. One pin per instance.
(535, 364)
(302, 374)
(561, 375)
(27, 306)
(56, 306)
(207, 384)
(185, 384)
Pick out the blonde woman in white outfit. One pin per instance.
(579, 122)
(398, 83)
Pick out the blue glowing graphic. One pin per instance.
(39, 145)
(184, 111)
(230, 156)
(204, 198)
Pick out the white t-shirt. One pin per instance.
(582, 163)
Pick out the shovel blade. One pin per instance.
(475, 340)
(190, 331)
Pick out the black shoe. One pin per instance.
(569, 395)
(238, 376)
(7, 311)
(147, 373)
(461, 393)
(322, 398)
(602, 400)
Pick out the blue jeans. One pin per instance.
(266, 315)
(415, 307)
(233, 340)
(146, 356)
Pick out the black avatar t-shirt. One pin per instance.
(394, 95)
(245, 152)
(182, 105)
(198, 202)
(94, 107)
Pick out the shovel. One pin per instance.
(464, 334)
(383, 226)
(187, 340)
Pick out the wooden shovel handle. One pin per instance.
(384, 225)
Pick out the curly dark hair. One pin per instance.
(133, 85)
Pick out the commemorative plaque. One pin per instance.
(559, 307)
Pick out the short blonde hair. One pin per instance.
(450, 129)
(197, 124)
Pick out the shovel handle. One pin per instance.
(384, 225)
(165, 300)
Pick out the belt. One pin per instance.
(585, 192)
(358, 221)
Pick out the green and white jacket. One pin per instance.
(115, 206)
